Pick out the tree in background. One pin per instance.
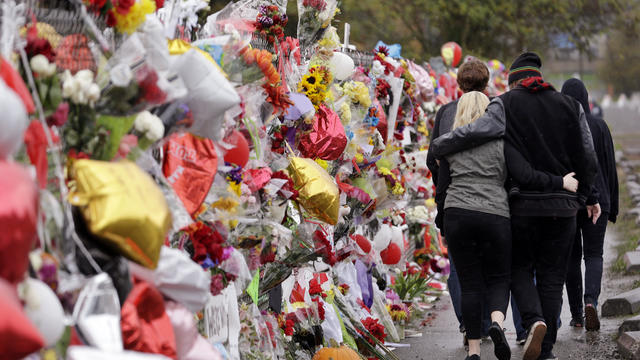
(621, 66)
(488, 28)
(494, 29)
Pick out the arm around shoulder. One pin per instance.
(488, 127)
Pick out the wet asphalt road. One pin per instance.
(442, 340)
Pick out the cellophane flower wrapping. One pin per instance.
(314, 18)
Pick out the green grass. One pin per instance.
(625, 227)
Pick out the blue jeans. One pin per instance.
(589, 242)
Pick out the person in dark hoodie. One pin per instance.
(589, 237)
(547, 143)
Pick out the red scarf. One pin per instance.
(536, 84)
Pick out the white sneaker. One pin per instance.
(533, 346)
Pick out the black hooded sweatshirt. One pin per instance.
(607, 179)
(548, 130)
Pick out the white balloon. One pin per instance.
(14, 121)
(341, 65)
(383, 237)
(43, 309)
(397, 236)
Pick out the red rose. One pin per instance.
(97, 5)
(111, 19)
(159, 4)
(123, 6)
(38, 46)
(288, 329)
(314, 288)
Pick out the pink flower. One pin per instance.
(127, 143)
(217, 284)
(59, 117)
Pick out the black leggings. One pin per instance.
(480, 246)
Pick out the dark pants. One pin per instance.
(480, 246)
(589, 240)
(453, 284)
(541, 245)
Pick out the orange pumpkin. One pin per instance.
(341, 353)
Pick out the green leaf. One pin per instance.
(117, 126)
(253, 287)
(55, 93)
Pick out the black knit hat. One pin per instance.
(524, 66)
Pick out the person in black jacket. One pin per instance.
(547, 143)
(589, 236)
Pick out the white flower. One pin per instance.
(156, 129)
(69, 87)
(80, 97)
(94, 93)
(377, 69)
(41, 65)
(85, 76)
(149, 125)
(143, 121)
(84, 83)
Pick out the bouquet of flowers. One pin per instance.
(315, 84)
(270, 23)
(315, 17)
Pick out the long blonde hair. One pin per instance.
(470, 107)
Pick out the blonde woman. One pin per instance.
(476, 217)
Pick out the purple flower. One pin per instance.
(207, 263)
(265, 21)
(226, 253)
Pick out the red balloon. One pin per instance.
(363, 242)
(18, 336)
(190, 166)
(239, 153)
(382, 120)
(145, 325)
(451, 53)
(18, 213)
(327, 140)
(13, 80)
(391, 255)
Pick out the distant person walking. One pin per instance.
(589, 239)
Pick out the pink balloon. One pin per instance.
(18, 214)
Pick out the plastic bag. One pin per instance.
(97, 314)
(139, 79)
(89, 353)
(178, 278)
(210, 93)
(314, 18)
